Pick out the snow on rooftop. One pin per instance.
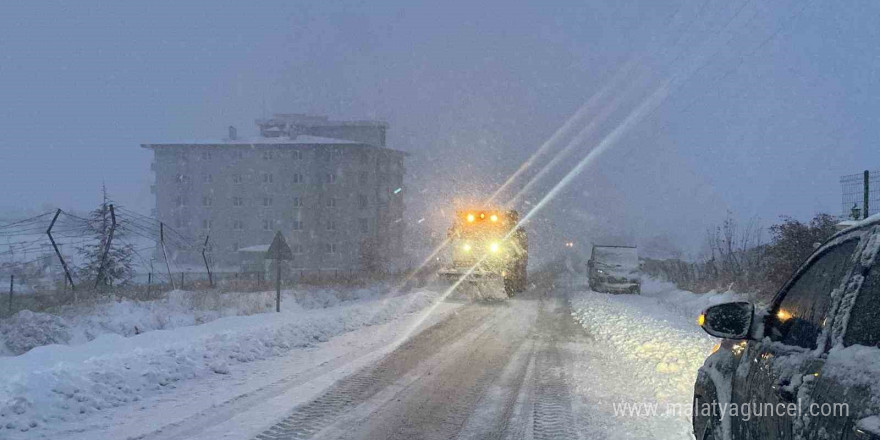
(846, 224)
(282, 140)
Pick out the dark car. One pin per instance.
(806, 366)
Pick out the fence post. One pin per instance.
(205, 258)
(164, 253)
(58, 253)
(11, 284)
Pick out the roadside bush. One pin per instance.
(738, 259)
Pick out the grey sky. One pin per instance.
(784, 98)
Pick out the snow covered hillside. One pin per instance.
(639, 382)
(54, 384)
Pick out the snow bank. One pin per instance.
(56, 383)
(82, 323)
(655, 339)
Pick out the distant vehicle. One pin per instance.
(615, 269)
(488, 250)
(814, 351)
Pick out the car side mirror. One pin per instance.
(731, 320)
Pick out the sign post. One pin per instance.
(278, 251)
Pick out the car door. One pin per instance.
(768, 383)
(846, 392)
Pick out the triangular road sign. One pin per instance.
(279, 250)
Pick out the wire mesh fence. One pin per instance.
(853, 195)
(42, 264)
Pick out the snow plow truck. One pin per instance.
(489, 253)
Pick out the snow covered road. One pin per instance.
(558, 362)
(555, 363)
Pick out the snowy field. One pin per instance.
(637, 382)
(97, 362)
(77, 324)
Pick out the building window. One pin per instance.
(364, 225)
(330, 178)
(364, 178)
(267, 155)
(296, 248)
(331, 202)
(206, 201)
(298, 178)
(296, 154)
(236, 178)
(237, 201)
(206, 224)
(267, 178)
(331, 225)
(180, 201)
(237, 225)
(330, 248)
(267, 225)
(297, 225)
(336, 154)
(297, 202)
(267, 201)
(365, 157)
(206, 155)
(207, 178)
(239, 154)
(362, 201)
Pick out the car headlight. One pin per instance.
(495, 248)
(466, 247)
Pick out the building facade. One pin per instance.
(332, 188)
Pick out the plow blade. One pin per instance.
(476, 286)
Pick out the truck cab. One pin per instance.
(488, 243)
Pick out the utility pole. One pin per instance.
(58, 253)
(100, 276)
(867, 193)
(11, 283)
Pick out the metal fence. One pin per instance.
(854, 188)
(21, 292)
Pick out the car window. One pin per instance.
(864, 323)
(800, 315)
